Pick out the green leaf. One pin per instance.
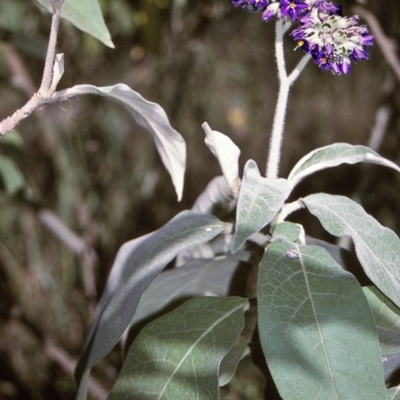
(230, 362)
(377, 247)
(345, 258)
(13, 138)
(136, 265)
(316, 329)
(85, 15)
(259, 201)
(393, 393)
(334, 155)
(216, 198)
(170, 144)
(387, 320)
(289, 231)
(197, 277)
(11, 175)
(178, 355)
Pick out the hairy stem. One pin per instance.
(275, 146)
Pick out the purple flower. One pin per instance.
(293, 8)
(333, 41)
(325, 6)
(251, 5)
(273, 10)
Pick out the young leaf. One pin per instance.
(334, 155)
(170, 144)
(85, 15)
(259, 201)
(227, 154)
(316, 329)
(377, 247)
(136, 265)
(178, 355)
(289, 231)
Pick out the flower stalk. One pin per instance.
(276, 140)
(331, 40)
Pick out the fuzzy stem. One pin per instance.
(288, 209)
(280, 110)
(275, 146)
(279, 50)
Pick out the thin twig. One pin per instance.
(47, 77)
(62, 232)
(68, 364)
(47, 88)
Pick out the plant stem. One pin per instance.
(286, 81)
(47, 87)
(47, 77)
(279, 50)
(275, 144)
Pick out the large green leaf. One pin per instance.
(197, 277)
(316, 328)
(377, 247)
(334, 155)
(170, 144)
(178, 355)
(85, 15)
(136, 265)
(259, 201)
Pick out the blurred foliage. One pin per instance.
(92, 166)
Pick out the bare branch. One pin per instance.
(47, 78)
(49, 81)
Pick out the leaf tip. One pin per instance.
(110, 44)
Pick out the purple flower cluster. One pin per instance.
(332, 40)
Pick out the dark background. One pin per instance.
(88, 162)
